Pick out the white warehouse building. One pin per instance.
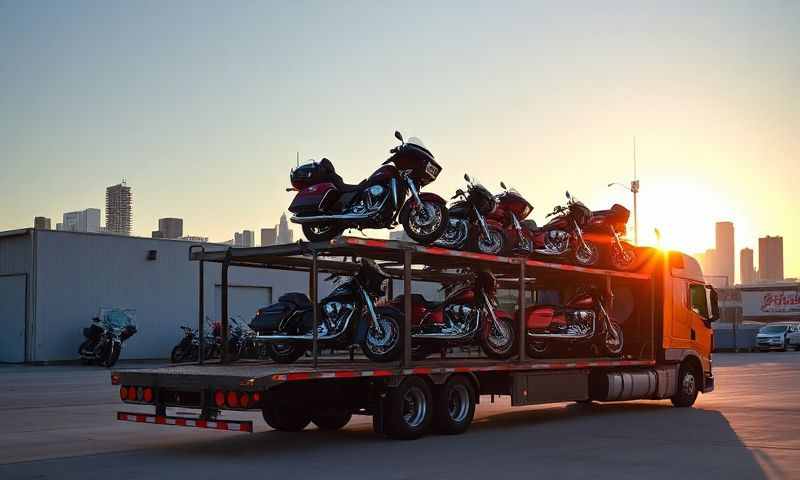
(52, 283)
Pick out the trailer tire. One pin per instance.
(331, 420)
(454, 406)
(688, 381)
(408, 412)
(285, 419)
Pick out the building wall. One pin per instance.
(77, 274)
(16, 267)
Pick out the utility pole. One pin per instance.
(635, 191)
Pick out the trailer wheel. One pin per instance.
(454, 406)
(687, 386)
(331, 420)
(286, 419)
(408, 411)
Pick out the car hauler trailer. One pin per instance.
(664, 307)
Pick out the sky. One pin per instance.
(203, 106)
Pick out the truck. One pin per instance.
(664, 307)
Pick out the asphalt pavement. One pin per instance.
(59, 422)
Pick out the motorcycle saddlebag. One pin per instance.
(268, 319)
(313, 198)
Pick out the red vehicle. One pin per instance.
(581, 326)
(468, 313)
(512, 209)
(325, 206)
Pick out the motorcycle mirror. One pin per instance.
(466, 177)
(503, 186)
(398, 136)
(568, 195)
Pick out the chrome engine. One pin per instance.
(556, 242)
(336, 317)
(580, 324)
(459, 319)
(372, 199)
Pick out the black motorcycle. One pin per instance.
(468, 227)
(346, 317)
(188, 349)
(325, 206)
(104, 338)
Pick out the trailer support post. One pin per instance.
(406, 363)
(523, 354)
(224, 303)
(313, 290)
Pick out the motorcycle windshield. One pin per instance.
(118, 319)
(417, 141)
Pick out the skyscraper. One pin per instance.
(770, 258)
(746, 268)
(269, 236)
(169, 228)
(285, 235)
(237, 239)
(725, 251)
(248, 238)
(41, 223)
(82, 221)
(118, 209)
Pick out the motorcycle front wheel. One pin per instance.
(384, 347)
(495, 244)
(177, 354)
(586, 254)
(498, 341)
(613, 339)
(622, 259)
(321, 232)
(425, 223)
(111, 355)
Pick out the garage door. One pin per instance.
(13, 307)
(243, 301)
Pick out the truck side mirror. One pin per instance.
(713, 303)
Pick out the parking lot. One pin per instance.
(58, 422)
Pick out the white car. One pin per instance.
(776, 336)
(794, 337)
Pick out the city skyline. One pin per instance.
(544, 97)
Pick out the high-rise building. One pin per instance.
(770, 258)
(82, 221)
(237, 239)
(119, 200)
(41, 223)
(169, 228)
(247, 238)
(725, 251)
(746, 268)
(268, 236)
(285, 234)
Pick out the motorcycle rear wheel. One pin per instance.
(422, 231)
(322, 232)
(285, 352)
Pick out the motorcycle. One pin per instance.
(104, 338)
(347, 316)
(582, 323)
(468, 313)
(563, 236)
(470, 226)
(242, 341)
(188, 349)
(512, 209)
(609, 226)
(325, 206)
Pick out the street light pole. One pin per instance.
(634, 189)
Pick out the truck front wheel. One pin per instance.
(688, 382)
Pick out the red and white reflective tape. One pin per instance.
(296, 376)
(229, 425)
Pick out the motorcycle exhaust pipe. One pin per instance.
(347, 217)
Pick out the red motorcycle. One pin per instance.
(583, 323)
(512, 209)
(325, 206)
(468, 313)
(607, 227)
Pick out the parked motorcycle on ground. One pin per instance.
(242, 341)
(104, 337)
(188, 349)
(468, 314)
(347, 316)
(325, 206)
(470, 226)
(583, 324)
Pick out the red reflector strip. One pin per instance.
(228, 425)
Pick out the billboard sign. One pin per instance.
(771, 303)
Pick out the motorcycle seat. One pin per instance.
(418, 299)
(337, 180)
